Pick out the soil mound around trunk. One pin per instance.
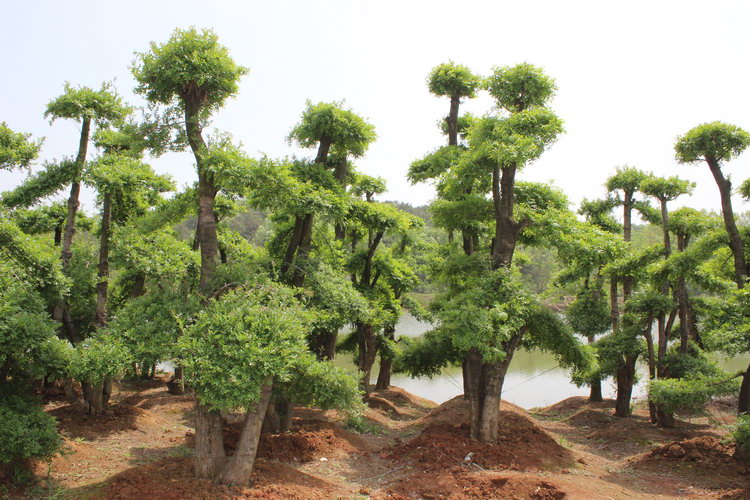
(444, 442)
(459, 484)
(574, 404)
(120, 417)
(310, 440)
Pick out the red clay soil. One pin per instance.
(573, 404)
(458, 484)
(172, 479)
(522, 443)
(310, 440)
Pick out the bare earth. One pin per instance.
(410, 449)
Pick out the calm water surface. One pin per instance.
(533, 378)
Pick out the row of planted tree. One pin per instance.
(88, 299)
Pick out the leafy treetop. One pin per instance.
(330, 122)
(80, 103)
(191, 66)
(520, 87)
(666, 189)
(715, 141)
(453, 80)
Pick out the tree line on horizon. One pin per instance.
(150, 278)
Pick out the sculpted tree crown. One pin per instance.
(712, 142)
(191, 66)
(101, 106)
(453, 80)
(516, 88)
(346, 131)
(666, 189)
(627, 179)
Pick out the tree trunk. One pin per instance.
(651, 366)
(386, 362)
(625, 380)
(614, 307)
(453, 121)
(176, 385)
(367, 352)
(75, 190)
(94, 399)
(103, 282)
(58, 236)
(284, 406)
(595, 385)
(484, 385)
(743, 404)
(240, 465)
(735, 240)
(209, 442)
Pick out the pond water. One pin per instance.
(533, 378)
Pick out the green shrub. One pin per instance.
(741, 435)
(26, 432)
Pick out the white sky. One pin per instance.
(632, 75)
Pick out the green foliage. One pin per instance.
(589, 313)
(515, 140)
(101, 357)
(346, 131)
(242, 341)
(690, 222)
(453, 80)
(627, 179)
(548, 332)
(149, 326)
(54, 177)
(322, 385)
(726, 325)
(38, 264)
(518, 88)
(334, 300)
(689, 395)
(426, 355)
(666, 189)
(599, 213)
(26, 431)
(82, 103)
(367, 186)
(715, 141)
(132, 185)
(190, 66)
(741, 432)
(16, 150)
(434, 164)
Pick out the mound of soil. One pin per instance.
(590, 418)
(312, 439)
(522, 443)
(386, 406)
(573, 404)
(400, 397)
(172, 479)
(704, 449)
(459, 484)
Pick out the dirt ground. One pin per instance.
(407, 448)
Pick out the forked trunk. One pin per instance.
(240, 465)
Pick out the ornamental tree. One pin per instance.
(16, 149)
(716, 143)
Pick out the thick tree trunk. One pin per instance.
(240, 465)
(614, 307)
(625, 380)
(284, 406)
(209, 442)
(735, 240)
(75, 190)
(367, 353)
(483, 383)
(651, 365)
(58, 236)
(94, 400)
(506, 229)
(176, 385)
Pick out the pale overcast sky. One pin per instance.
(632, 75)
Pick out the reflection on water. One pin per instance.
(533, 378)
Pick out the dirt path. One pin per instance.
(405, 448)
